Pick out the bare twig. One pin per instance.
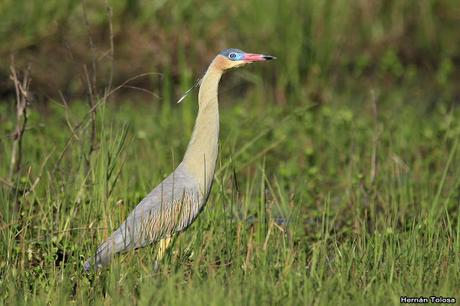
(93, 113)
(37, 179)
(143, 90)
(91, 82)
(112, 48)
(91, 46)
(67, 117)
(22, 101)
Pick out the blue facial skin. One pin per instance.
(233, 54)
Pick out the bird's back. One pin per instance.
(169, 208)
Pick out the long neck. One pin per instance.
(201, 155)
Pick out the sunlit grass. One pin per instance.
(353, 203)
(338, 178)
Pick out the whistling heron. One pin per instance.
(175, 203)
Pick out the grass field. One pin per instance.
(310, 205)
(338, 178)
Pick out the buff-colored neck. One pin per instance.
(201, 155)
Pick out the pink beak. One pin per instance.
(252, 57)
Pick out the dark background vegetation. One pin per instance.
(338, 177)
(319, 44)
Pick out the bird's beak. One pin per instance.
(252, 57)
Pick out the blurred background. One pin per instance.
(338, 172)
(321, 45)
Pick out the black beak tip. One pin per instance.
(268, 57)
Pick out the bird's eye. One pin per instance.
(232, 56)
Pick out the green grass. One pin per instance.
(318, 43)
(369, 192)
(350, 136)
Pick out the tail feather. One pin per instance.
(104, 253)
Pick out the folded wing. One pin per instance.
(169, 208)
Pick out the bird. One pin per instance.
(176, 202)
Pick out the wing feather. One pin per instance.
(169, 208)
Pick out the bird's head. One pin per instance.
(232, 58)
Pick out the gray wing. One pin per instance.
(169, 208)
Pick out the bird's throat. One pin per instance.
(201, 155)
